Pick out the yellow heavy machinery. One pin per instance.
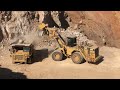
(70, 49)
(47, 31)
(21, 53)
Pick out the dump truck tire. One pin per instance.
(29, 60)
(77, 58)
(57, 56)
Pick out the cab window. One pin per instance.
(26, 49)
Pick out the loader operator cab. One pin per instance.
(71, 41)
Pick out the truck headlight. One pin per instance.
(25, 55)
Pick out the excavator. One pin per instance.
(70, 49)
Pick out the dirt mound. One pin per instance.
(104, 30)
(101, 26)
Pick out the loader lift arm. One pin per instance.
(60, 40)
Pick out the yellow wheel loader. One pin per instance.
(70, 49)
(77, 53)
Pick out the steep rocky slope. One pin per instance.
(101, 26)
(14, 23)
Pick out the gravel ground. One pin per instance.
(46, 68)
(66, 69)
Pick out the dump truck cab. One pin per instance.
(22, 53)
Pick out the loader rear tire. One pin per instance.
(77, 58)
(57, 56)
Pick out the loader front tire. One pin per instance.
(57, 56)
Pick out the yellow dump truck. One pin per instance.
(21, 53)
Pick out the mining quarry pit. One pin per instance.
(24, 25)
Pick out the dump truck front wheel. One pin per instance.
(77, 58)
(29, 60)
(57, 56)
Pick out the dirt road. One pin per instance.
(109, 68)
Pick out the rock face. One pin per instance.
(1, 35)
(101, 26)
(15, 23)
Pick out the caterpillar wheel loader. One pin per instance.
(70, 49)
(21, 53)
(77, 53)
